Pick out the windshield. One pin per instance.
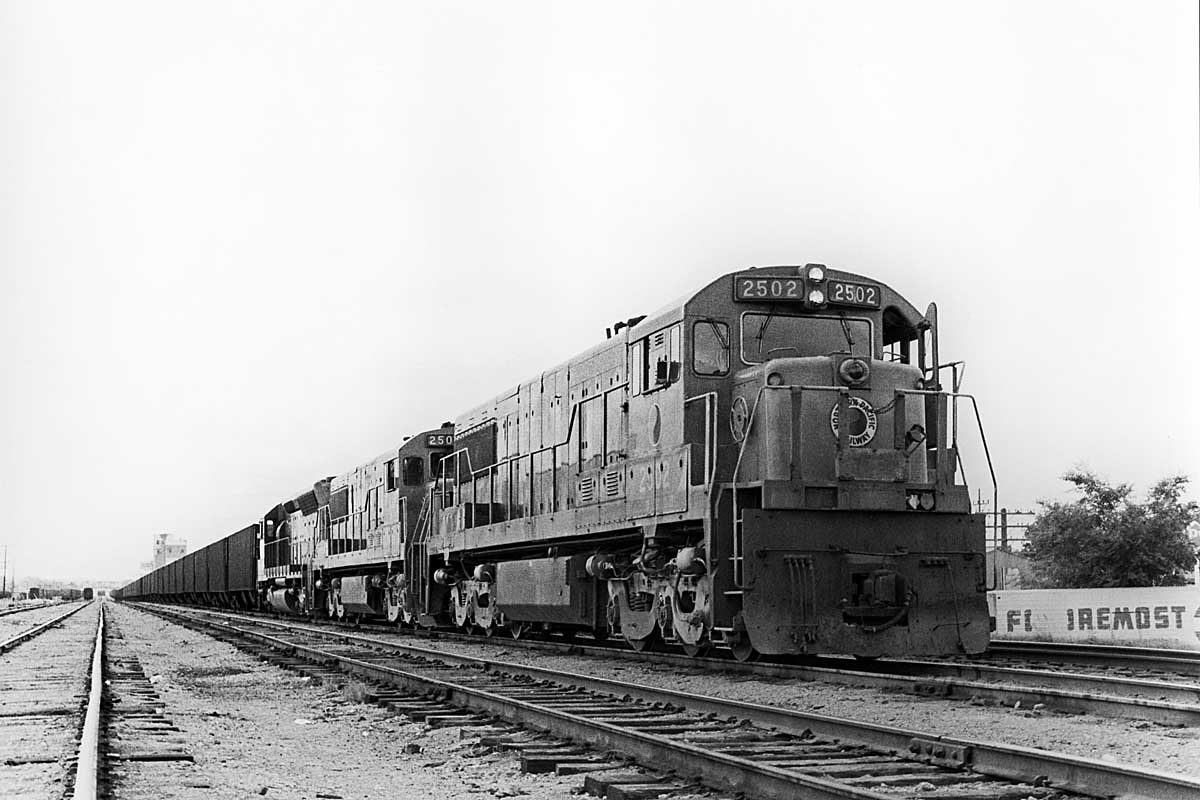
(767, 336)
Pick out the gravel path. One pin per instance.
(256, 730)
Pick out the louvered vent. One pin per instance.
(587, 490)
(659, 338)
(612, 483)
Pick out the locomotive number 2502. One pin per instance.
(768, 289)
(843, 293)
(854, 294)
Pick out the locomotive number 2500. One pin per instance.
(769, 289)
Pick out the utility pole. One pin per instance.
(4, 574)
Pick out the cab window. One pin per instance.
(710, 347)
(660, 358)
(768, 336)
(414, 471)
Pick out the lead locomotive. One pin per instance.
(769, 465)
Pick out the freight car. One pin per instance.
(770, 465)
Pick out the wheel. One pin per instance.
(641, 645)
(646, 642)
(698, 649)
(517, 629)
(739, 645)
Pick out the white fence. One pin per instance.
(1150, 617)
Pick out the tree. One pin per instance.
(1106, 539)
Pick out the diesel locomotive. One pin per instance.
(769, 465)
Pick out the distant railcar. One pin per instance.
(88, 593)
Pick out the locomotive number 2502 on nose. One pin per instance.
(784, 289)
(768, 289)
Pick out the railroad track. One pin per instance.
(11, 610)
(973, 680)
(76, 711)
(45, 676)
(761, 751)
(1147, 660)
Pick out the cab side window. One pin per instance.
(391, 475)
(710, 347)
(414, 471)
(660, 363)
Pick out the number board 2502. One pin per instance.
(844, 293)
(751, 288)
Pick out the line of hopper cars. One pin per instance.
(770, 464)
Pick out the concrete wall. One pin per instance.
(1151, 617)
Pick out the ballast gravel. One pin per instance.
(255, 730)
(1133, 742)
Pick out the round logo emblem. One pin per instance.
(737, 418)
(862, 421)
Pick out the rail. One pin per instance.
(88, 769)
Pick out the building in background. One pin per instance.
(167, 548)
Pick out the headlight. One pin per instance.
(816, 273)
(774, 379)
(854, 371)
(816, 297)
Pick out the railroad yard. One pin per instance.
(201, 703)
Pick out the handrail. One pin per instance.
(982, 436)
(474, 474)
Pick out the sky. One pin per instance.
(245, 246)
